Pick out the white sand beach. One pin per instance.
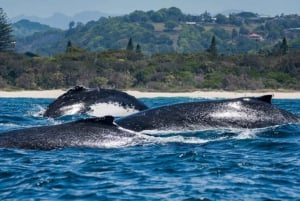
(138, 94)
(215, 94)
(32, 94)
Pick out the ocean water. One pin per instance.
(259, 164)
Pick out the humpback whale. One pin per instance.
(96, 102)
(92, 132)
(247, 112)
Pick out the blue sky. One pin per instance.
(45, 8)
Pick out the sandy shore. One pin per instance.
(215, 94)
(31, 94)
(138, 94)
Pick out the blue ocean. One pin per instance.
(258, 164)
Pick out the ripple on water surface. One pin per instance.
(206, 165)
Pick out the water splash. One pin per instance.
(36, 111)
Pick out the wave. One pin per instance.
(213, 135)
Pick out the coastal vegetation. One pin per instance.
(129, 69)
(163, 50)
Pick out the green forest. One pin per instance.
(126, 69)
(167, 30)
(161, 50)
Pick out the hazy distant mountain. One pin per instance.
(61, 21)
(25, 28)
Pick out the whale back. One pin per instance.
(97, 102)
(247, 112)
(92, 132)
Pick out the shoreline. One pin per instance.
(139, 94)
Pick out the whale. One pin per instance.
(96, 102)
(86, 133)
(240, 113)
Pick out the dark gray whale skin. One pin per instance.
(248, 112)
(89, 97)
(82, 133)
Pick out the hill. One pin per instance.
(61, 21)
(169, 30)
(24, 28)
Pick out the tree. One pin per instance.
(6, 41)
(69, 46)
(283, 46)
(174, 14)
(213, 47)
(221, 19)
(138, 16)
(246, 15)
(74, 49)
(71, 25)
(138, 49)
(206, 16)
(130, 45)
(157, 16)
(234, 34)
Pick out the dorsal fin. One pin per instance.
(265, 98)
(77, 88)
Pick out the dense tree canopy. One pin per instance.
(6, 41)
(124, 69)
(168, 30)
